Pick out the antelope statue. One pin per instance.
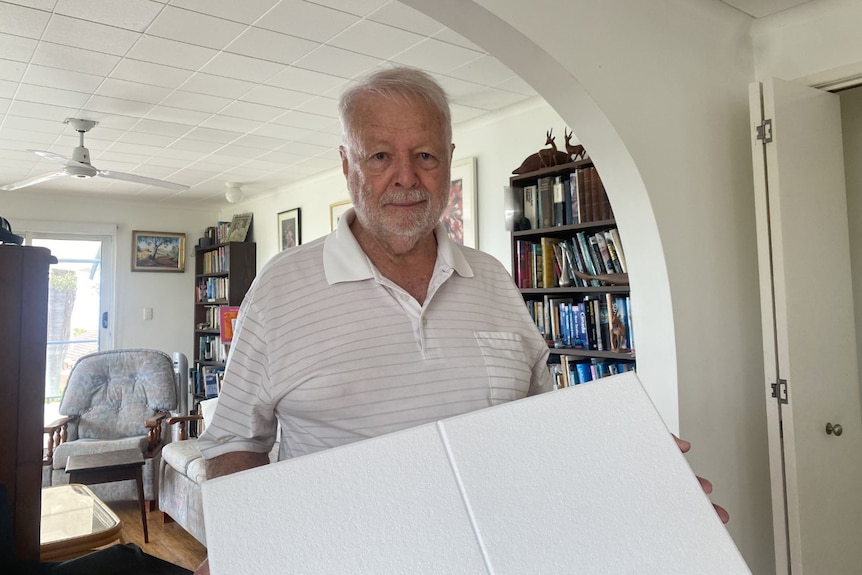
(544, 158)
(575, 152)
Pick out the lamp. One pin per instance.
(234, 192)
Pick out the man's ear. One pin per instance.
(342, 151)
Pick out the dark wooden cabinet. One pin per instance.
(23, 330)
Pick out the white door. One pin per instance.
(808, 330)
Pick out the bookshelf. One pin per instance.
(587, 323)
(223, 273)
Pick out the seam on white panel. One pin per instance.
(464, 498)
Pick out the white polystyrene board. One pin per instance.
(583, 480)
(384, 505)
(586, 480)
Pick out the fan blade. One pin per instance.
(32, 181)
(141, 180)
(55, 157)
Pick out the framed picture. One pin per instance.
(460, 217)
(289, 229)
(158, 252)
(337, 210)
(239, 226)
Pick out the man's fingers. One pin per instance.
(683, 445)
(705, 484)
(722, 513)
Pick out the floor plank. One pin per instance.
(168, 541)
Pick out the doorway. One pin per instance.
(80, 294)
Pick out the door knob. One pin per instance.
(836, 429)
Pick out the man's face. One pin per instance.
(397, 168)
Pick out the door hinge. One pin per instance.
(764, 131)
(779, 390)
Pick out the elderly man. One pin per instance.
(385, 323)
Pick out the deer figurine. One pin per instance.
(575, 152)
(546, 157)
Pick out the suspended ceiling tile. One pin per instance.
(89, 35)
(308, 81)
(52, 96)
(133, 15)
(75, 59)
(150, 73)
(375, 39)
(177, 115)
(22, 21)
(436, 56)
(171, 53)
(241, 67)
(246, 11)
(211, 85)
(337, 62)
(272, 46)
(195, 28)
(124, 89)
(403, 16)
(46, 76)
(197, 102)
(292, 17)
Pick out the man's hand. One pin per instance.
(685, 446)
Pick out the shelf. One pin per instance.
(564, 231)
(558, 291)
(590, 353)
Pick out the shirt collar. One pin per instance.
(344, 260)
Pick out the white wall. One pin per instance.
(851, 117)
(170, 295)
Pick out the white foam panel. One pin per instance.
(582, 480)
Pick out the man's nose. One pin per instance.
(405, 172)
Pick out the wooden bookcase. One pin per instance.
(559, 306)
(223, 274)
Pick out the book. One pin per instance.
(612, 250)
(549, 267)
(531, 205)
(211, 384)
(619, 247)
(559, 202)
(567, 201)
(575, 184)
(586, 255)
(605, 254)
(546, 202)
(227, 321)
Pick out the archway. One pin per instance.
(656, 346)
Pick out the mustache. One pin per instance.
(405, 196)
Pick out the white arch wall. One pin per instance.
(657, 92)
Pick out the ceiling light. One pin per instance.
(234, 192)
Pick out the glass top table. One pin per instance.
(74, 521)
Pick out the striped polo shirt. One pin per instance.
(334, 352)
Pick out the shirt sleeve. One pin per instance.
(244, 418)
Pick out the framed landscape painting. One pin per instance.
(460, 217)
(289, 229)
(158, 252)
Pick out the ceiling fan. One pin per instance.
(79, 166)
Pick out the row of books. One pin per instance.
(551, 262)
(208, 379)
(601, 323)
(218, 233)
(212, 289)
(215, 261)
(578, 197)
(211, 348)
(573, 371)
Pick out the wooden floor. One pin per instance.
(168, 541)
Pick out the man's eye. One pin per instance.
(379, 156)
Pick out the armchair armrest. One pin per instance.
(154, 430)
(57, 432)
(181, 421)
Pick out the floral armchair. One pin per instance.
(114, 400)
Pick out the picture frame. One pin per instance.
(289, 229)
(239, 227)
(461, 216)
(158, 251)
(337, 210)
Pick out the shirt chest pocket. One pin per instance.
(506, 364)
